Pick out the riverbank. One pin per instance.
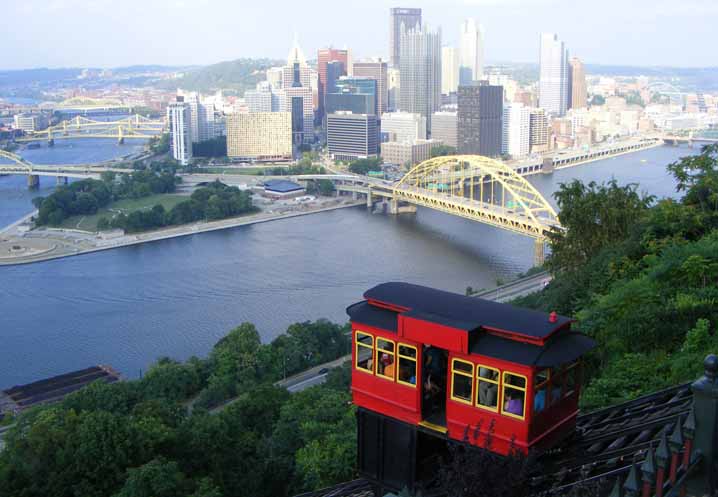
(48, 244)
(571, 158)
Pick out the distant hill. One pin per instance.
(238, 75)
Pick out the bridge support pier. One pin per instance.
(394, 206)
(539, 252)
(61, 180)
(51, 142)
(33, 181)
(369, 202)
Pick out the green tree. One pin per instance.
(441, 150)
(157, 478)
(593, 217)
(697, 177)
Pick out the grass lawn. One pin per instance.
(89, 223)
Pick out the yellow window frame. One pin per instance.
(509, 385)
(470, 376)
(496, 382)
(408, 358)
(384, 351)
(360, 344)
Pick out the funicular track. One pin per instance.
(608, 441)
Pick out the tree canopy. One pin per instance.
(155, 437)
(641, 277)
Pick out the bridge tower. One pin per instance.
(50, 139)
(120, 136)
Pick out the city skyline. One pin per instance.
(225, 31)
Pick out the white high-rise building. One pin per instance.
(274, 77)
(201, 116)
(449, 70)
(403, 126)
(178, 120)
(420, 71)
(516, 130)
(265, 99)
(471, 36)
(393, 83)
(553, 77)
(444, 127)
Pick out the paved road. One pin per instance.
(518, 288)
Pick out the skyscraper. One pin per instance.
(335, 70)
(299, 101)
(479, 116)
(353, 94)
(324, 57)
(296, 72)
(516, 130)
(259, 135)
(377, 70)
(553, 77)
(444, 128)
(420, 71)
(471, 36)
(178, 119)
(450, 62)
(538, 131)
(577, 84)
(411, 19)
(350, 136)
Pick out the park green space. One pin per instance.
(89, 222)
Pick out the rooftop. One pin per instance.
(465, 313)
(282, 186)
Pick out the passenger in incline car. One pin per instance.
(513, 404)
(488, 392)
(388, 363)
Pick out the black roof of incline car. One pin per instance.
(476, 316)
(465, 313)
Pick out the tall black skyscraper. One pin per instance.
(297, 120)
(480, 113)
(411, 19)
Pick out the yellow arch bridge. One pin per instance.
(134, 126)
(469, 186)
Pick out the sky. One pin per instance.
(111, 33)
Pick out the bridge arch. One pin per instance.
(459, 185)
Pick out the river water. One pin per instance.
(176, 298)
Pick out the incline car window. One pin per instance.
(462, 381)
(407, 365)
(385, 360)
(514, 395)
(364, 352)
(488, 381)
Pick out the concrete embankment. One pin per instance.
(184, 230)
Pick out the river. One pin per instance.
(176, 298)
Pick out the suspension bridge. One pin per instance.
(21, 166)
(80, 127)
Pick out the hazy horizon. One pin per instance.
(95, 33)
